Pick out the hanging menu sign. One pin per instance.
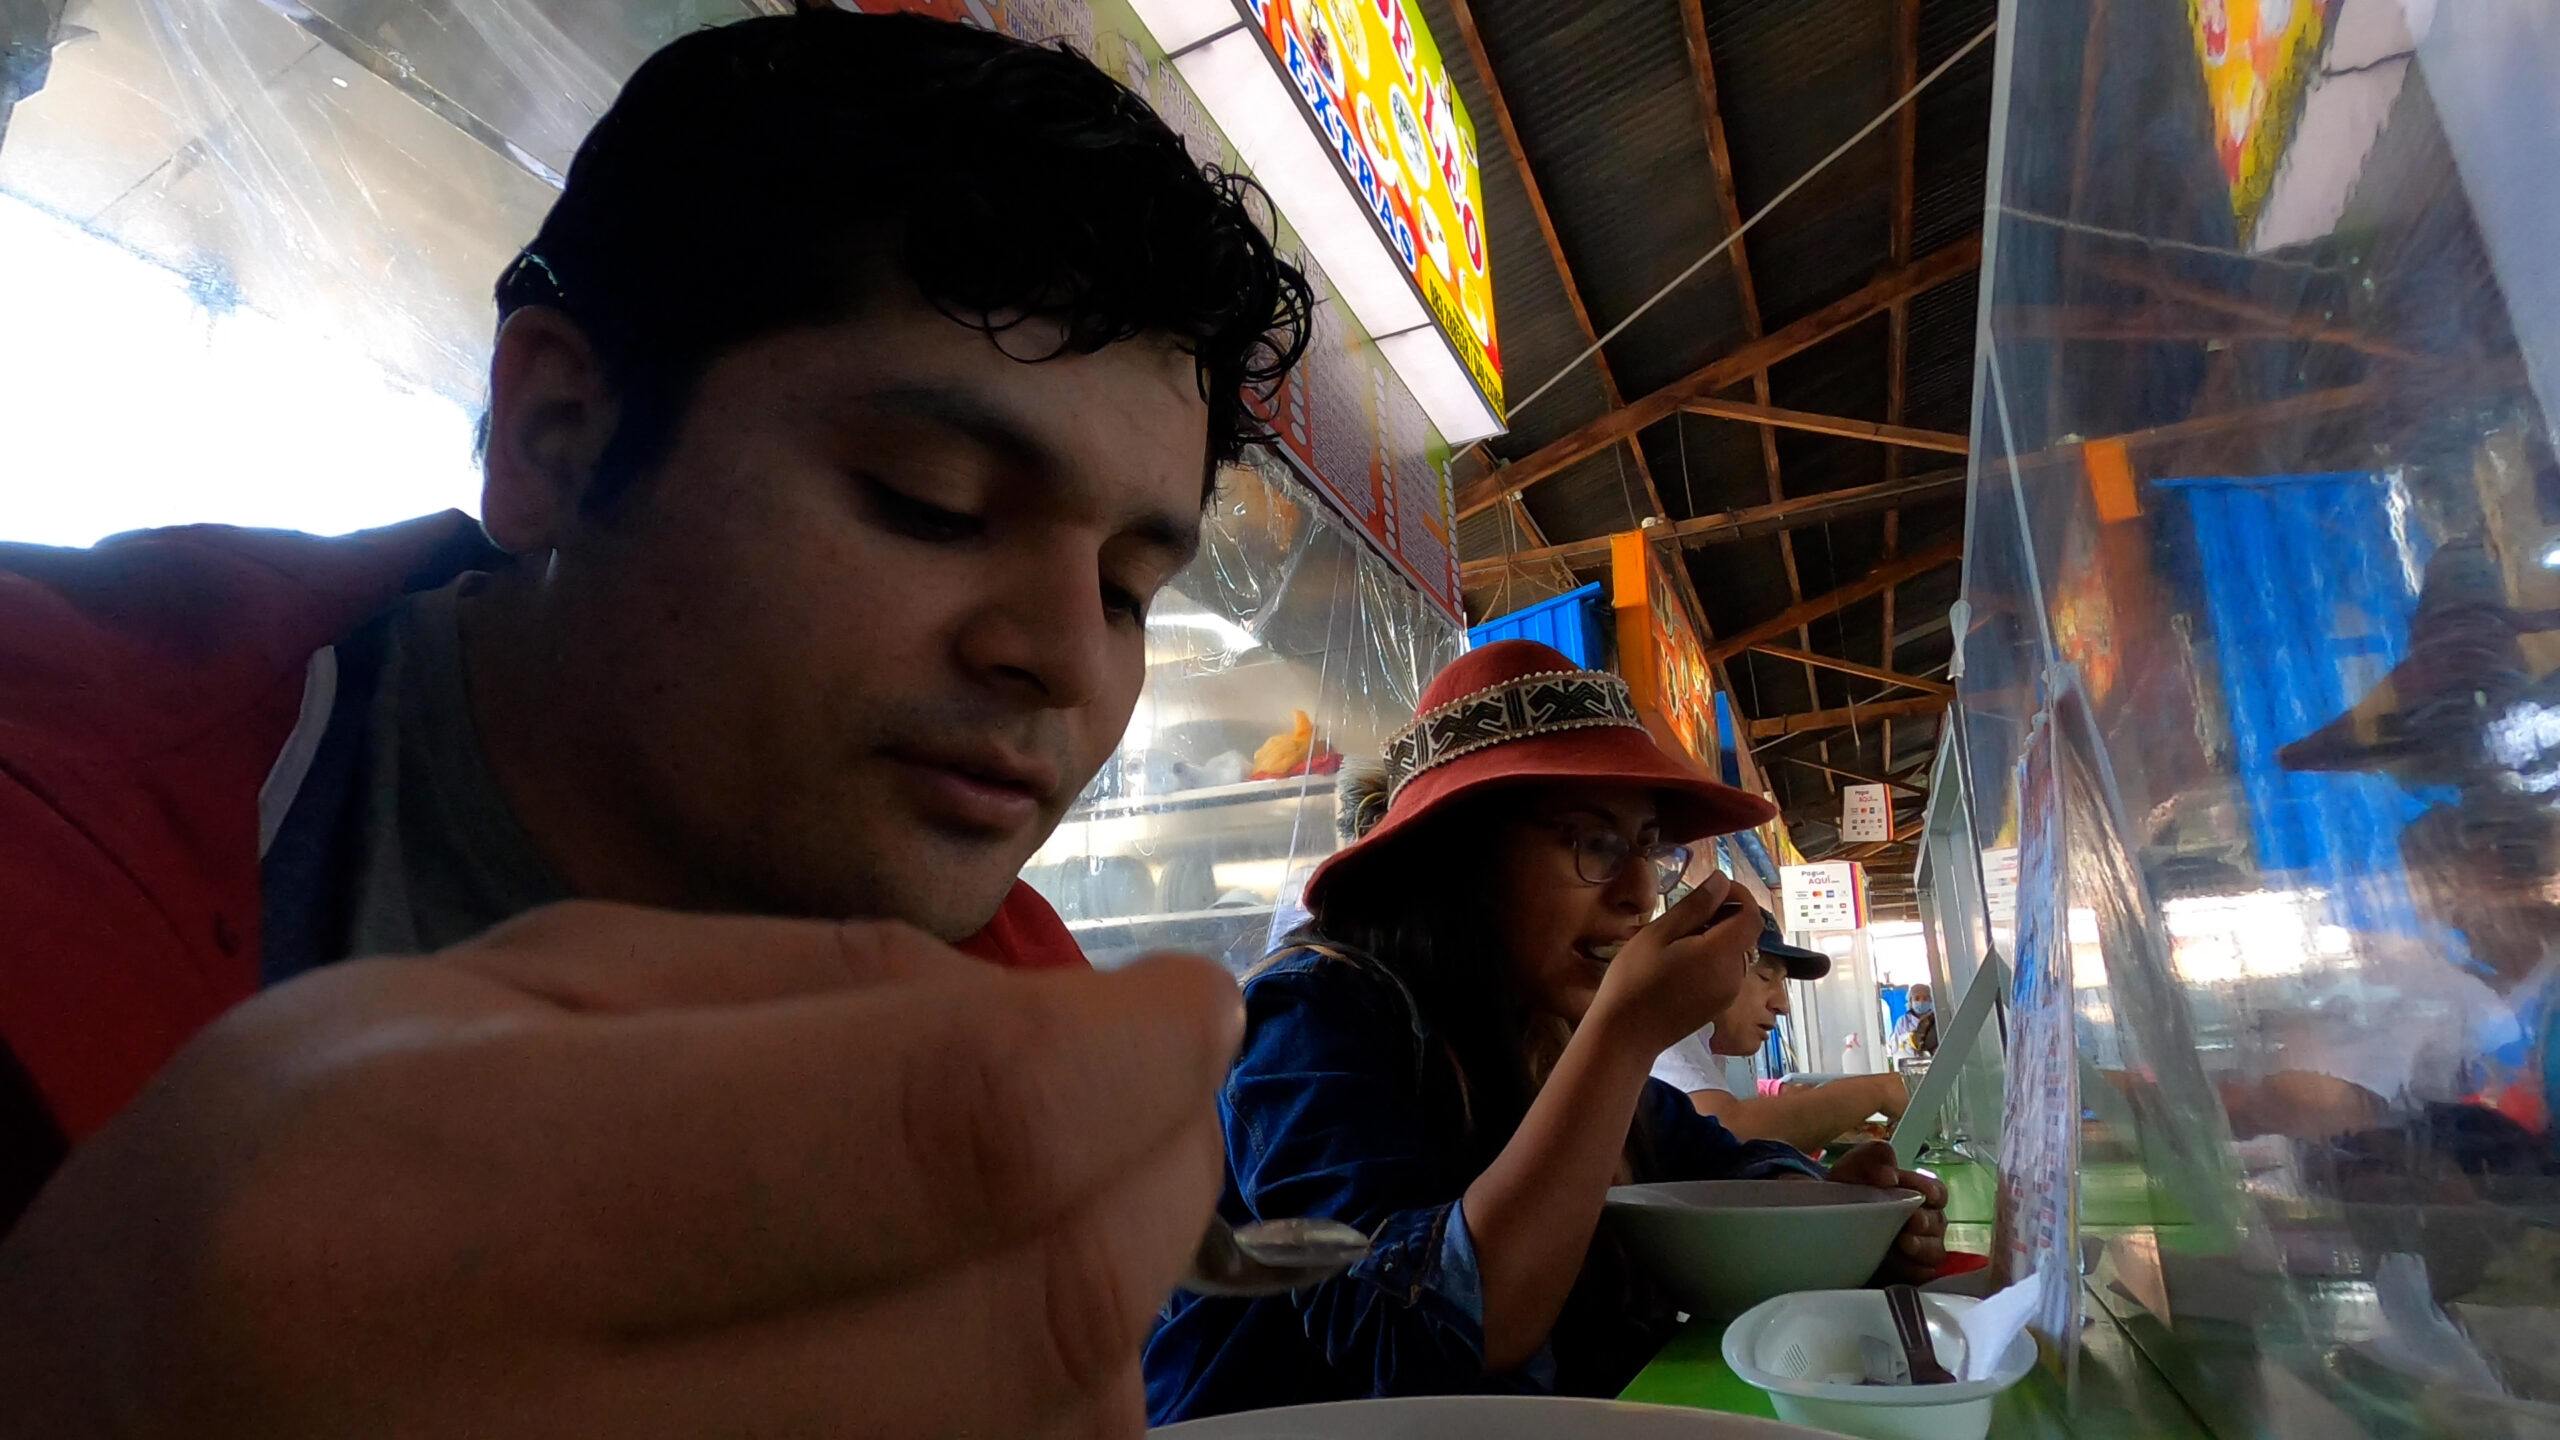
(1826, 896)
(1866, 813)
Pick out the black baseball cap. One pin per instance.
(1802, 964)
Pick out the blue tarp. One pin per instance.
(2310, 582)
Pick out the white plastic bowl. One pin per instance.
(1962, 1411)
(1481, 1417)
(1723, 1246)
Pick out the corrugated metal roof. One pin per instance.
(1606, 108)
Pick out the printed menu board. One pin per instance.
(1342, 418)
(1370, 76)
(1866, 813)
(1824, 897)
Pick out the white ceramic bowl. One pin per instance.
(1753, 1345)
(1482, 1417)
(1723, 1246)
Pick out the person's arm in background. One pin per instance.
(616, 1171)
(1805, 1116)
(1688, 1146)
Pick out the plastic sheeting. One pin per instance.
(246, 251)
(249, 247)
(1286, 652)
(2264, 556)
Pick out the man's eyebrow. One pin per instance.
(990, 428)
(968, 416)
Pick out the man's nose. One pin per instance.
(1042, 631)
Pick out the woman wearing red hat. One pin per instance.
(1452, 1055)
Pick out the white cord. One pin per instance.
(2163, 242)
(1745, 227)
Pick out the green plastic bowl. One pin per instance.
(1723, 1246)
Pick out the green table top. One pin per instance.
(2121, 1396)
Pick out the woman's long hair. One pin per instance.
(1423, 909)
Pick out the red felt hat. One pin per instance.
(1518, 712)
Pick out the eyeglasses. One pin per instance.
(1601, 856)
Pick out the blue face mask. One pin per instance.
(1923, 1007)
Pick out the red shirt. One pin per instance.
(146, 687)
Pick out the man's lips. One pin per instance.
(979, 787)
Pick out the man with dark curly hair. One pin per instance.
(618, 876)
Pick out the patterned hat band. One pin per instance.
(1548, 703)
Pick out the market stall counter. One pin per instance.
(2120, 1393)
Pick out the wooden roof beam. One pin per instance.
(2272, 317)
(1730, 525)
(1847, 715)
(1839, 316)
(1465, 15)
(1889, 572)
(1852, 667)
(1702, 73)
(2140, 326)
(1859, 777)
(1897, 344)
(1943, 441)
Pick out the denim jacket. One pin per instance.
(1339, 1106)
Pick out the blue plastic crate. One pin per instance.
(1570, 622)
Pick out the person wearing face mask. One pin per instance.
(1452, 1055)
(1915, 1035)
(1712, 1067)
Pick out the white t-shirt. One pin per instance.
(1693, 1065)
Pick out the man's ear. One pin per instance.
(550, 415)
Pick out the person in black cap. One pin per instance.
(1807, 1117)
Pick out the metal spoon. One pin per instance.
(1272, 1257)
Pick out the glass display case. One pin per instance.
(1286, 651)
(2261, 688)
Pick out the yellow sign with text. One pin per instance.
(1369, 74)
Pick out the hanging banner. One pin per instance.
(1370, 77)
(1866, 813)
(2258, 58)
(1659, 652)
(1825, 896)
